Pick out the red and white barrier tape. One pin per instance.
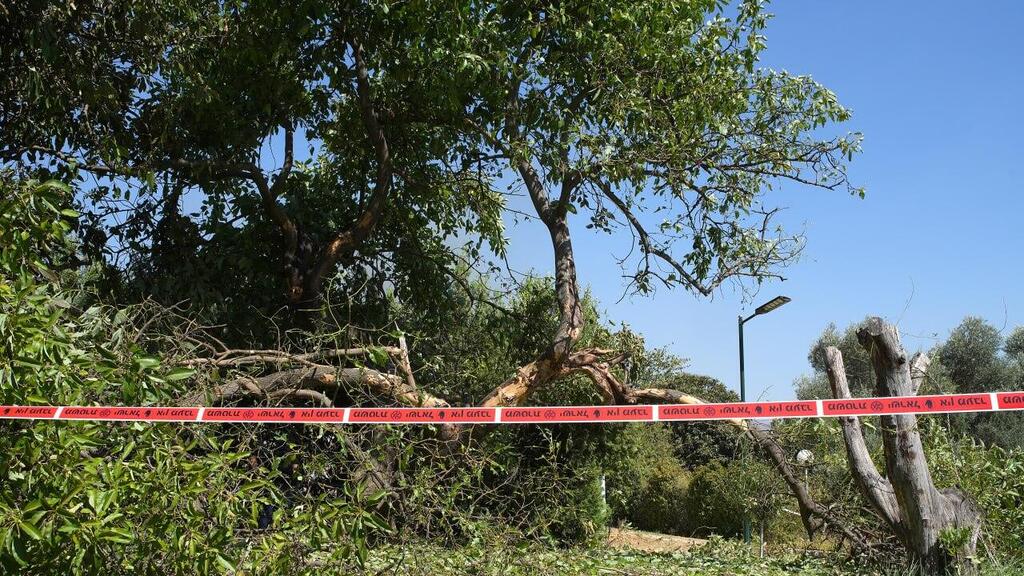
(985, 402)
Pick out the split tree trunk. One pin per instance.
(906, 497)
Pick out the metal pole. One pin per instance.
(743, 398)
(743, 384)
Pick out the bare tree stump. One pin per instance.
(906, 497)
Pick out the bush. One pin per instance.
(645, 482)
(715, 501)
(722, 495)
(579, 513)
(993, 476)
(661, 504)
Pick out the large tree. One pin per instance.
(655, 118)
(856, 360)
(975, 358)
(363, 141)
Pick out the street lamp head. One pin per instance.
(771, 305)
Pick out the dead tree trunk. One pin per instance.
(905, 498)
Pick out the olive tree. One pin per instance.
(938, 527)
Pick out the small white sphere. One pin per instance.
(804, 457)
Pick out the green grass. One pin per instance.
(718, 559)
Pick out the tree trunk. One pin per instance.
(906, 498)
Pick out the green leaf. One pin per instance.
(179, 374)
(378, 356)
(30, 529)
(376, 497)
(55, 185)
(118, 535)
(225, 564)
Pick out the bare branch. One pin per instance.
(872, 484)
(648, 247)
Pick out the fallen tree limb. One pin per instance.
(558, 360)
(310, 382)
(316, 378)
(815, 517)
(242, 357)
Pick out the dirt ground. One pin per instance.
(650, 541)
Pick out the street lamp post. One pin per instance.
(760, 310)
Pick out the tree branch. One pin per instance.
(875, 487)
(648, 246)
(344, 242)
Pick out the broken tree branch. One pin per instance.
(875, 487)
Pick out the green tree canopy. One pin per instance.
(300, 128)
(348, 169)
(856, 359)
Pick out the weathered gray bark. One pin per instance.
(906, 498)
(310, 383)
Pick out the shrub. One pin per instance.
(715, 502)
(993, 476)
(643, 474)
(722, 495)
(661, 504)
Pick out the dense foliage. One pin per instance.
(202, 194)
(255, 117)
(719, 557)
(196, 499)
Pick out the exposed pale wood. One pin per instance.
(548, 366)
(918, 371)
(403, 361)
(318, 378)
(875, 487)
(595, 363)
(924, 511)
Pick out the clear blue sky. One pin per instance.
(935, 88)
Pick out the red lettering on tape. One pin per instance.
(422, 415)
(86, 413)
(129, 413)
(326, 415)
(1011, 400)
(742, 410)
(578, 414)
(908, 404)
(28, 412)
(539, 414)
